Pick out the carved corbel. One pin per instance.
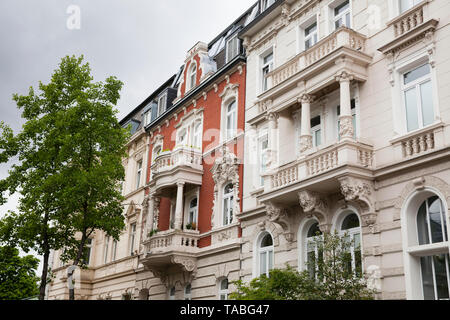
(280, 216)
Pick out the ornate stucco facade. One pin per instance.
(336, 117)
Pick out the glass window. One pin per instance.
(228, 204)
(132, 237)
(187, 292)
(342, 15)
(223, 289)
(351, 231)
(418, 97)
(407, 4)
(316, 131)
(193, 209)
(266, 68)
(197, 137)
(266, 4)
(313, 251)
(182, 137)
(231, 123)
(266, 255)
(105, 254)
(162, 103)
(310, 36)
(233, 47)
(114, 250)
(172, 293)
(138, 174)
(193, 76)
(87, 251)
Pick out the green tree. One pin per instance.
(70, 152)
(328, 277)
(18, 278)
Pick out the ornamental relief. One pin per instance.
(282, 218)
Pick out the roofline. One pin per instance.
(260, 17)
(199, 88)
(148, 99)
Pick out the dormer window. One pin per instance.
(162, 103)
(192, 76)
(265, 4)
(233, 48)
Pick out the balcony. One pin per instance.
(314, 70)
(318, 171)
(180, 165)
(171, 251)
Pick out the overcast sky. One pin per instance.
(141, 42)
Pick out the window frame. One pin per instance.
(223, 292)
(269, 251)
(411, 4)
(139, 166)
(106, 249)
(162, 107)
(133, 232)
(192, 80)
(416, 85)
(234, 37)
(194, 211)
(266, 65)
(188, 296)
(231, 133)
(342, 15)
(313, 35)
(227, 217)
(262, 153)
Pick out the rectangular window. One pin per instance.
(147, 117)
(138, 174)
(114, 251)
(342, 15)
(316, 131)
(407, 4)
(132, 237)
(266, 68)
(87, 251)
(418, 97)
(162, 102)
(233, 48)
(310, 35)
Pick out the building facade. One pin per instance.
(303, 116)
(361, 90)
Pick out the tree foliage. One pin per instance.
(328, 277)
(69, 164)
(18, 278)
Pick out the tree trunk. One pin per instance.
(44, 275)
(75, 264)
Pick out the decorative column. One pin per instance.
(346, 130)
(273, 135)
(305, 132)
(179, 206)
(150, 216)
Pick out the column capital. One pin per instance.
(180, 184)
(343, 76)
(272, 116)
(305, 98)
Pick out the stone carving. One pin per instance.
(346, 129)
(188, 264)
(305, 143)
(280, 216)
(374, 278)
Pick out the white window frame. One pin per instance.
(228, 198)
(331, 14)
(411, 4)
(223, 292)
(147, 117)
(162, 104)
(197, 134)
(314, 36)
(114, 250)
(314, 131)
(412, 251)
(351, 233)
(235, 48)
(231, 129)
(416, 85)
(265, 85)
(265, 4)
(169, 293)
(133, 229)
(306, 246)
(89, 246)
(139, 166)
(193, 210)
(192, 75)
(267, 251)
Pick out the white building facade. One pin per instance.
(348, 130)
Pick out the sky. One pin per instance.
(141, 42)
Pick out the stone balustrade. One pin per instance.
(172, 240)
(284, 177)
(180, 156)
(418, 144)
(322, 162)
(408, 21)
(343, 37)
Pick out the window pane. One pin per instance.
(266, 241)
(314, 230)
(270, 253)
(440, 269)
(341, 8)
(268, 58)
(225, 212)
(411, 109)
(427, 103)
(427, 278)
(318, 138)
(311, 264)
(224, 284)
(312, 28)
(434, 211)
(350, 222)
(416, 73)
(262, 263)
(422, 225)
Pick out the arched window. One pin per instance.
(182, 137)
(193, 75)
(351, 231)
(231, 120)
(172, 293)
(265, 254)
(434, 266)
(156, 152)
(228, 193)
(187, 292)
(223, 289)
(193, 210)
(312, 249)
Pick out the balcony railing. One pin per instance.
(344, 153)
(179, 157)
(343, 37)
(409, 20)
(174, 240)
